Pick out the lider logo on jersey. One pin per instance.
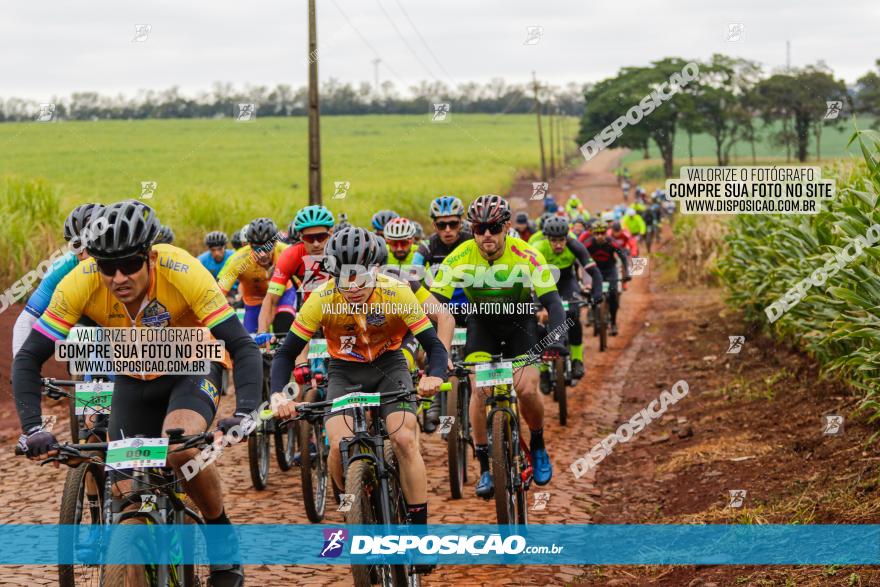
(334, 542)
(156, 315)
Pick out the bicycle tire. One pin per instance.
(358, 478)
(74, 420)
(559, 391)
(194, 575)
(603, 326)
(456, 447)
(502, 468)
(314, 488)
(128, 575)
(258, 458)
(285, 445)
(71, 512)
(400, 574)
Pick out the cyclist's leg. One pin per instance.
(251, 317)
(522, 338)
(482, 336)
(340, 374)
(286, 311)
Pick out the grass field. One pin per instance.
(219, 174)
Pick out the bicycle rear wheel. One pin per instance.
(313, 472)
(258, 457)
(559, 392)
(82, 503)
(456, 442)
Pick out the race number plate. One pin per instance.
(136, 452)
(318, 348)
(93, 397)
(351, 400)
(460, 337)
(489, 374)
(565, 305)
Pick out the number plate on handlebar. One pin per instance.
(606, 287)
(352, 400)
(318, 349)
(460, 337)
(93, 397)
(565, 305)
(133, 453)
(489, 374)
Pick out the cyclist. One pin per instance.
(540, 234)
(420, 233)
(78, 219)
(603, 250)
(236, 241)
(160, 286)
(550, 204)
(301, 263)
(365, 349)
(574, 206)
(165, 236)
(292, 237)
(447, 213)
(381, 218)
(252, 265)
(562, 251)
(524, 226)
(399, 234)
(343, 222)
(217, 254)
(490, 217)
(578, 226)
(634, 224)
(623, 239)
(625, 187)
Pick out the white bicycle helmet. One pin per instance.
(399, 229)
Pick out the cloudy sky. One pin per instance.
(55, 48)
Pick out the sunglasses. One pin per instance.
(315, 238)
(404, 244)
(494, 227)
(452, 224)
(353, 280)
(127, 265)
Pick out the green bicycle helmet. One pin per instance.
(313, 216)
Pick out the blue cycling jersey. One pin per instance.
(39, 300)
(211, 265)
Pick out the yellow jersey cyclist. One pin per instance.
(517, 268)
(129, 282)
(565, 253)
(400, 234)
(253, 265)
(364, 349)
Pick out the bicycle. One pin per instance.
(313, 465)
(371, 473)
(598, 316)
(259, 441)
(560, 369)
(511, 459)
(161, 500)
(53, 389)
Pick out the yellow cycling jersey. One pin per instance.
(362, 334)
(181, 293)
(253, 278)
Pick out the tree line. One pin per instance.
(732, 100)
(496, 97)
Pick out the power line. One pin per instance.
(365, 41)
(405, 42)
(424, 42)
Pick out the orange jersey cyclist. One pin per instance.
(364, 348)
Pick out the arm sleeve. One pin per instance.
(23, 326)
(285, 269)
(596, 278)
(282, 364)
(26, 378)
(624, 258)
(553, 303)
(247, 364)
(421, 254)
(437, 355)
(580, 253)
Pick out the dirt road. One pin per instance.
(31, 494)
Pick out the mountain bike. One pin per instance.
(259, 441)
(371, 473)
(314, 452)
(560, 369)
(599, 315)
(160, 500)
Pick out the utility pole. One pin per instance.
(552, 144)
(376, 63)
(788, 57)
(540, 130)
(314, 113)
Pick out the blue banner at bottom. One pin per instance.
(443, 544)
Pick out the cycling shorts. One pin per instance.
(140, 407)
(519, 335)
(387, 373)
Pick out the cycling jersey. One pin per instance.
(39, 300)
(626, 241)
(604, 253)
(253, 278)
(391, 311)
(295, 264)
(433, 250)
(213, 267)
(517, 259)
(408, 260)
(565, 261)
(537, 236)
(634, 224)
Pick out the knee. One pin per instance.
(404, 443)
(179, 459)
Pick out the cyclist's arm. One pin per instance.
(439, 315)
(23, 326)
(26, 367)
(589, 266)
(553, 304)
(624, 259)
(231, 269)
(267, 311)
(436, 352)
(247, 364)
(285, 357)
(421, 254)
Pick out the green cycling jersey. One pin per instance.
(392, 260)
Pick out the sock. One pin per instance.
(417, 513)
(482, 451)
(221, 519)
(577, 352)
(222, 544)
(537, 439)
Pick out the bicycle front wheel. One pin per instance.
(559, 393)
(503, 469)
(82, 503)
(258, 457)
(313, 471)
(360, 481)
(456, 442)
(131, 575)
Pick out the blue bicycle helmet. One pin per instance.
(446, 206)
(383, 217)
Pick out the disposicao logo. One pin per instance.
(334, 541)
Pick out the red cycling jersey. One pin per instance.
(625, 240)
(295, 264)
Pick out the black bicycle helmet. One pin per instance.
(165, 236)
(489, 209)
(352, 246)
(131, 228)
(260, 231)
(555, 227)
(521, 218)
(79, 218)
(215, 239)
(236, 241)
(383, 217)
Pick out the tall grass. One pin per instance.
(32, 225)
(838, 323)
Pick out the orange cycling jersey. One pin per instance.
(362, 334)
(252, 277)
(181, 293)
